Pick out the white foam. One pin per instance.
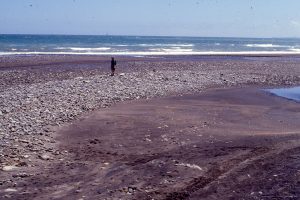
(61, 48)
(166, 45)
(121, 45)
(90, 49)
(84, 49)
(145, 53)
(265, 45)
(294, 49)
(173, 49)
(139, 56)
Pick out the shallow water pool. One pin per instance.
(289, 93)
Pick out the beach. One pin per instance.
(164, 127)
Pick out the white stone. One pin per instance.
(10, 190)
(9, 168)
(45, 157)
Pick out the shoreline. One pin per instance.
(40, 94)
(207, 53)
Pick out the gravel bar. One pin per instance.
(37, 97)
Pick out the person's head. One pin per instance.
(112, 58)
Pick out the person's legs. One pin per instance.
(112, 72)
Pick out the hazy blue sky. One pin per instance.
(246, 18)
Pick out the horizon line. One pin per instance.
(133, 35)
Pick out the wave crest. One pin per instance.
(84, 49)
(265, 45)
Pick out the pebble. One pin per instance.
(9, 168)
(22, 164)
(21, 175)
(45, 157)
(10, 190)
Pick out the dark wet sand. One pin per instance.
(221, 144)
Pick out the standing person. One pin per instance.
(113, 64)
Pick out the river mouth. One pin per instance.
(292, 93)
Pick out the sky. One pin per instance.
(207, 18)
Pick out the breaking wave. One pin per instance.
(159, 53)
(84, 49)
(265, 45)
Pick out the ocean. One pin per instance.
(143, 45)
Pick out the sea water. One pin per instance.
(289, 93)
(144, 45)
